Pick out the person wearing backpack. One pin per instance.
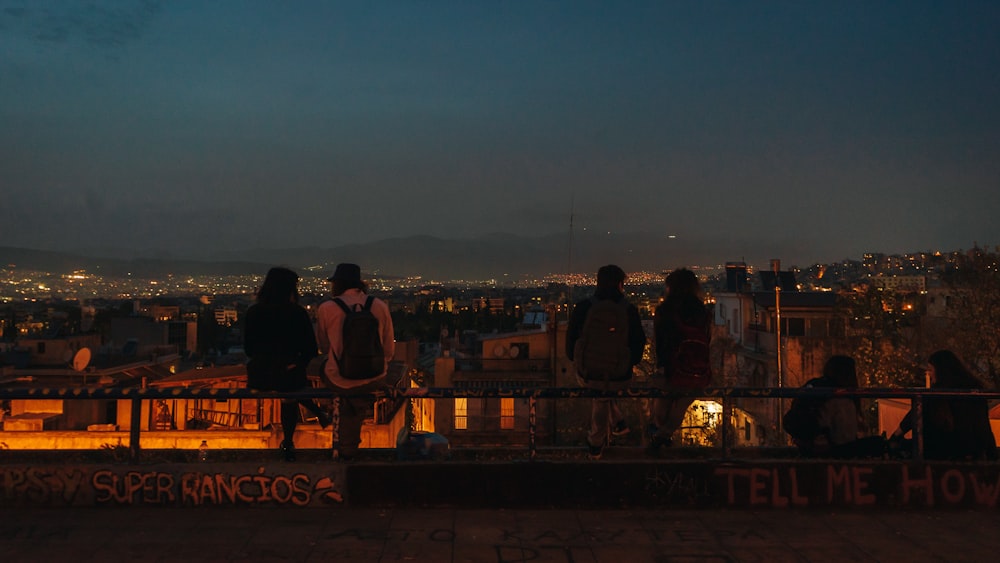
(604, 340)
(355, 332)
(682, 329)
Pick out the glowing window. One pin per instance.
(506, 414)
(461, 413)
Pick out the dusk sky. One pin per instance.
(193, 126)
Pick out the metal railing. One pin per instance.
(724, 395)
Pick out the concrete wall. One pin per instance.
(676, 484)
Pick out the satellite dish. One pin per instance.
(515, 351)
(499, 351)
(81, 359)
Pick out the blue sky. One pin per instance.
(822, 128)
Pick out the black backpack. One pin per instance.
(801, 422)
(363, 356)
(601, 353)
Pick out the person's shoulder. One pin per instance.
(326, 307)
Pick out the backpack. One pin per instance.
(363, 356)
(690, 366)
(801, 422)
(602, 353)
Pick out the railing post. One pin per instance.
(532, 425)
(133, 432)
(335, 418)
(918, 428)
(727, 412)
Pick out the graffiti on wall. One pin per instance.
(154, 487)
(776, 485)
(45, 485)
(858, 485)
(674, 486)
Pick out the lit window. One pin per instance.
(461, 413)
(506, 414)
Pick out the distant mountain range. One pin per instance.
(496, 256)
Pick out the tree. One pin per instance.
(883, 338)
(968, 322)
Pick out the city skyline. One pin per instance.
(427, 261)
(32, 281)
(806, 132)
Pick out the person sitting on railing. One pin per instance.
(828, 426)
(604, 340)
(682, 329)
(280, 342)
(954, 428)
(355, 332)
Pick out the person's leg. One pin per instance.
(317, 411)
(289, 420)
(616, 411)
(675, 414)
(354, 405)
(668, 415)
(661, 416)
(619, 427)
(658, 407)
(600, 410)
(352, 417)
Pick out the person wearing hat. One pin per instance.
(348, 288)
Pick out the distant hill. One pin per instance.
(488, 257)
(48, 261)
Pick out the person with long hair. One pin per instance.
(681, 319)
(955, 428)
(280, 341)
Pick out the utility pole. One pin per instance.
(776, 268)
(569, 263)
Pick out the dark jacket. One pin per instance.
(636, 336)
(280, 342)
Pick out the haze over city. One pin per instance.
(807, 131)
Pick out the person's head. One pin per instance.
(681, 283)
(840, 371)
(346, 276)
(281, 285)
(610, 278)
(946, 370)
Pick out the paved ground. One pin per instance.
(493, 536)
